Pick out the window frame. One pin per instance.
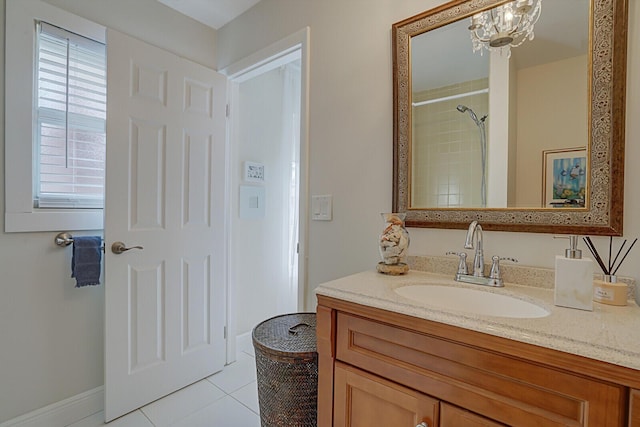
(82, 86)
(20, 117)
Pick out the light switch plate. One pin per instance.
(322, 208)
(252, 202)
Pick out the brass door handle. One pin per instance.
(119, 247)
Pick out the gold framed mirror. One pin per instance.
(599, 211)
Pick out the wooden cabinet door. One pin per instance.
(365, 400)
(634, 408)
(452, 416)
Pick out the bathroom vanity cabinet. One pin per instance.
(378, 367)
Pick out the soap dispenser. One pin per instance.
(574, 278)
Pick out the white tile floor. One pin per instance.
(226, 399)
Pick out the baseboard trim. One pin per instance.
(244, 343)
(63, 413)
(83, 405)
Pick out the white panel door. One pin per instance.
(164, 315)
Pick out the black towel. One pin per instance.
(87, 256)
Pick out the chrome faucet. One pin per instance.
(495, 276)
(475, 230)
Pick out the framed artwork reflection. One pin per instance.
(564, 177)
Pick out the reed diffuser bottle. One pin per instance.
(608, 290)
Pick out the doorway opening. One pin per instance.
(267, 192)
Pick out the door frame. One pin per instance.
(242, 70)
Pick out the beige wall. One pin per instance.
(552, 113)
(350, 113)
(351, 131)
(51, 334)
(152, 22)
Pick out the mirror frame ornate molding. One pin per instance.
(603, 213)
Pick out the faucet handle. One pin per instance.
(495, 266)
(462, 265)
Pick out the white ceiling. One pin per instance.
(214, 13)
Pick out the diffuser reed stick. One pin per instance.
(610, 268)
(625, 255)
(596, 255)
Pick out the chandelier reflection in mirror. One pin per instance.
(505, 26)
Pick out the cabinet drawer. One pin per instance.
(365, 400)
(503, 388)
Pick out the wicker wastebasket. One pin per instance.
(287, 367)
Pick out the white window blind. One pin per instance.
(71, 120)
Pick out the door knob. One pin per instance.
(119, 247)
(423, 424)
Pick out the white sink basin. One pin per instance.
(474, 301)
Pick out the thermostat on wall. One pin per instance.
(253, 172)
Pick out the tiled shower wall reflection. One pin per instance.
(446, 166)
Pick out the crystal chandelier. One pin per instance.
(505, 26)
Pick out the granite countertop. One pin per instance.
(608, 333)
